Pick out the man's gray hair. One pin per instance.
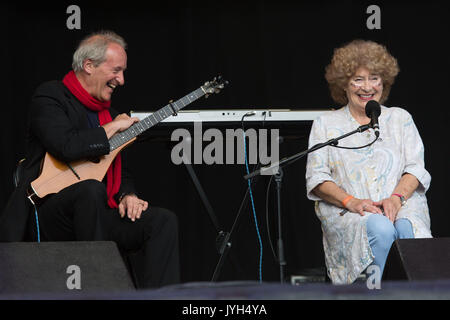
(94, 47)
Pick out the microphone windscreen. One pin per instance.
(373, 109)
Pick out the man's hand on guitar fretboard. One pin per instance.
(119, 124)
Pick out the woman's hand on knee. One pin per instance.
(391, 206)
(360, 205)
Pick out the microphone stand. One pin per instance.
(276, 169)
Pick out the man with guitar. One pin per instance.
(70, 124)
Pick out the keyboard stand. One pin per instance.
(223, 243)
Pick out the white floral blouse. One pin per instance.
(369, 173)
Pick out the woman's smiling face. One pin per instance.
(363, 87)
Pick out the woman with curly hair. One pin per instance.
(366, 198)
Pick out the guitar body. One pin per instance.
(57, 175)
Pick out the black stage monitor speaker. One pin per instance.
(418, 259)
(60, 267)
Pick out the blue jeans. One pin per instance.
(382, 233)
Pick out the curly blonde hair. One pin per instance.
(360, 53)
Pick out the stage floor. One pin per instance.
(251, 290)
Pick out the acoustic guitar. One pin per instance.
(56, 175)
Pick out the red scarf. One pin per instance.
(113, 175)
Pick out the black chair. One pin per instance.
(132, 260)
(18, 173)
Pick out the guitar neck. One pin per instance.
(139, 127)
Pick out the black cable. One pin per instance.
(267, 220)
(334, 146)
(354, 148)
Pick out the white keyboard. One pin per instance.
(236, 115)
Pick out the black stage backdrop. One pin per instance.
(274, 54)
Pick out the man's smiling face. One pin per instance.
(109, 74)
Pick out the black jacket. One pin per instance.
(57, 123)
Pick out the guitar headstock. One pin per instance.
(214, 86)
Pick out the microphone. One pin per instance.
(373, 111)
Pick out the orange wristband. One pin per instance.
(344, 202)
